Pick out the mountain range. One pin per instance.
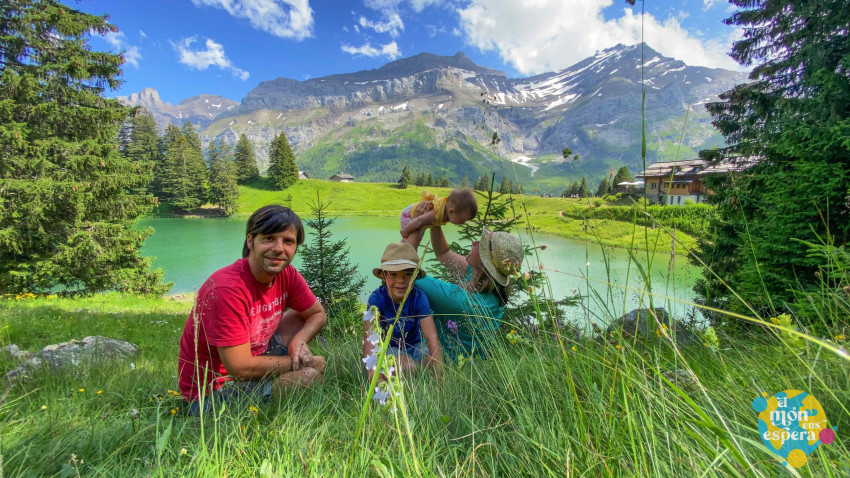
(439, 114)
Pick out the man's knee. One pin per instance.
(318, 364)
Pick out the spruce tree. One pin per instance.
(404, 180)
(191, 135)
(583, 190)
(183, 173)
(622, 175)
(282, 170)
(142, 143)
(429, 180)
(791, 119)
(68, 197)
(603, 189)
(505, 187)
(464, 183)
(442, 181)
(245, 161)
(223, 190)
(328, 271)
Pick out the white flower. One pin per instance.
(134, 413)
(371, 362)
(390, 371)
(132, 366)
(381, 396)
(367, 316)
(374, 338)
(532, 320)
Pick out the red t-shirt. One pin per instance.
(233, 308)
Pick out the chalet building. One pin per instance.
(342, 178)
(303, 175)
(674, 182)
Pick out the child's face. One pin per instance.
(458, 216)
(397, 283)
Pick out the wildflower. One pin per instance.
(532, 320)
(839, 337)
(44, 407)
(543, 247)
(540, 266)
(174, 411)
(512, 338)
(132, 366)
(183, 451)
(368, 315)
(381, 396)
(663, 330)
(526, 276)
(134, 413)
(370, 362)
(374, 338)
(775, 320)
(81, 390)
(575, 349)
(530, 290)
(253, 410)
(618, 347)
(451, 326)
(100, 392)
(173, 393)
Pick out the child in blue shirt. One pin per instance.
(414, 322)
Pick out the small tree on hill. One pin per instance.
(245, 161)
(623, 175)
(505, 187)
(603, 188)
(442, 181)
(282, 169)
(405, 180)
(583, 191)
(328, 272)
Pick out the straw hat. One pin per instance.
(501, 253)
(398, 256)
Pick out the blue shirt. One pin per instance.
(406, 331)
(477, 316)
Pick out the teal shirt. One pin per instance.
(477, 315)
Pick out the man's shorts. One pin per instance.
(236, 393)
(415, 352)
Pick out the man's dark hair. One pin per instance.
(270, 220)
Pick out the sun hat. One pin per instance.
(501, 253)
(398, 256)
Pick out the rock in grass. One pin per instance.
(94, 348)
(642, 323)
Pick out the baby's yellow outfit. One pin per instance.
(439, 207)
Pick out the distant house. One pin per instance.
(342, 178)
(674, 182)
(302, 175)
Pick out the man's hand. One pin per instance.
(300, 354)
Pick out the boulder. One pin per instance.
(94, 348)
(641, 323)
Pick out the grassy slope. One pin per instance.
(532, 409)
(382, 199)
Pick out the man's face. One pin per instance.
(271, 253)
(397, 283)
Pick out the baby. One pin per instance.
(457, 208)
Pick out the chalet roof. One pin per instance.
(694, 167)
(342, 176)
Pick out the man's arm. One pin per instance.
(314, 320)
(452, 261)
(240, 364)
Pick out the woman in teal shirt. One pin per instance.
(467, 313)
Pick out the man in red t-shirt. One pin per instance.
(251, 322)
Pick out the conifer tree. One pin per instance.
(603, 188)
(223, 190)
(142, 143)
(583, 191)
(505, 187)
(327, 269)
(282, 169)
(464, 183)
(404, 180)
(184, 171)
(246, 163)
(622, 175)
(429, 180)
(68, 197)
(442, 181)
(191, 135)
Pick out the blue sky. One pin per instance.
(189, 47)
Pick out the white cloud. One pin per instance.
(390, 50)
(132, 54)
(551, 35)
(394, 26)
(434, 29)
(281, 18)
(709, 4)
(142, 34)
(203, 59)
(393, 5)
